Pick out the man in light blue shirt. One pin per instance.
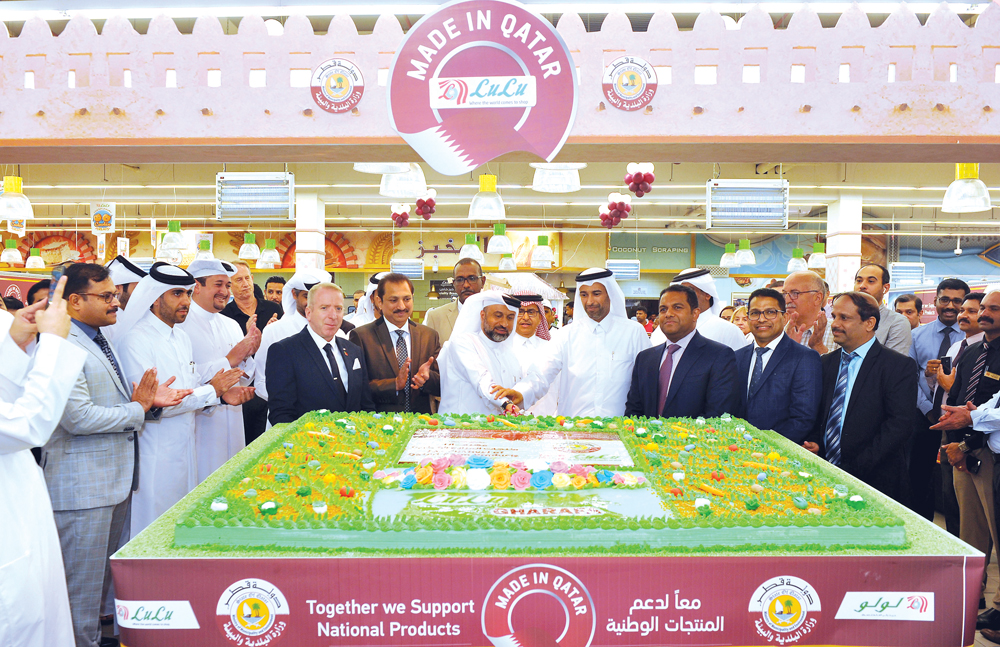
(931, 342)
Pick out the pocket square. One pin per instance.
(357, 364)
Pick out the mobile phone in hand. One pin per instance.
(945, 364)
(972, 464)
(57, 273)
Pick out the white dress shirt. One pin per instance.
(529, 350)
(765, 358)
(592, 364)
(321, 344)
(168, 456)
(288, 325)
(711, 327)
(219, 431)
(406, 336)
(676, 357)
(986, 418)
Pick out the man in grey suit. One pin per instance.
(468, 280)
(89, 462)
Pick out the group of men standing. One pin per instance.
(163, 370)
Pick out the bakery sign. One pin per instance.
(480, 78)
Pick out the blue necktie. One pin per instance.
(836, 420)
(758, 369)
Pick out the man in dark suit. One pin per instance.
(780, 382)
(393, 345)
(689, 375)
(313, 369)
(869, 391)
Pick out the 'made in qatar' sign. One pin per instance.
(480, 78)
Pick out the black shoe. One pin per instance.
(989, 619)
(110, 641)
(982, 605)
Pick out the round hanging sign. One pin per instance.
(337, 85)
(629, 83)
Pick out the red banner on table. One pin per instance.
(909, 601)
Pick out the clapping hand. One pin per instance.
(423, 374)
(403, 376)
(49, 318)
(167, 397)
(225, 380)
(238, 395)
(953, 418)
(246, 346)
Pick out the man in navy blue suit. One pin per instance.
(688, 375)
(314, 369)
(781, 382)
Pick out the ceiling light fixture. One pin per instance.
(817, 260)
(499, 242)
(249, 251)
(745, 256)
(204, 251)
(254, 196)
(270, 254)
(14, 205)
(35, 261)
(967, 194)
(796, 263)
(542, 257)
(507, 263)
(487, 204)
(471, 250)
(381, 168)
(408, 185)
(10, 254)
(729, 257)
(556, 178)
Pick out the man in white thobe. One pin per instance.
(294, 296)
(478, 364)
(125, 275)
(530, 342)
(367, 310)
(591, 359)
(35, 383)
(712, 327)
(218, 343)
(168, 461)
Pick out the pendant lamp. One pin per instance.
(556, 178)
(967, 194)
(817, 260)
(487, 205)
(499, 243)
(270, 253)
(796, 263)
(729, 258)
(409, 185)
(13, 204)
(471, 250)
(541, 256)
(10, 254)
(744, 256)
(381, 168)
(204, 251)
(35, 261)
(507, 263)
(249, 250)
(173, 240)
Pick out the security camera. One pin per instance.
(958, 251)
(958, 246)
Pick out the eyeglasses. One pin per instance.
(768, 314)
(795, 294)
(107, 297)
(528, 313)
(459, 280)
(945, 301)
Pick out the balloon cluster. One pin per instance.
(639, 178)
(425, 205)
(401, 214)
(617, 209)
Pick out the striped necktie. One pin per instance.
(977, 374)
(401, 357)
(758, 369)
(835, 422)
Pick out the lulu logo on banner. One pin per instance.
(784, 605)
(156, 614)
(887, 605)
(102, 217)
(532, 626)
(251, 608)
(479, 78)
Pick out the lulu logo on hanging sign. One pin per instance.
(485, 92)
(479, 78)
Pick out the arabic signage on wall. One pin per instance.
(479, 78)
(629, 83)
(654, 251)
(570, 602)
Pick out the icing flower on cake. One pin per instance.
(561, 480)
(458, 475)
(477, 478)
(424, 474)
(559, 466)
(579, 481)
(501, 465)
(500, 479)
(629, 479)
(541, 479)
(440, 464)
(408, 482)
(441, 480)
(479, 462)
(456, 459)
(378, 475)
(603, 476)
(592, 479)
(576, 468)
(219, 504)
(520, 480)
(518, 465)
(618, 479)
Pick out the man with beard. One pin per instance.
(930, 342)
(467, 277)
(272, 289)
(478, 364)
(711, 327)
(893, 328)
(168, 461)
(976, 380)
(218, 343)
(245, 305)
(530, 342)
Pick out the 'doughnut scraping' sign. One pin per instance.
(480, 78)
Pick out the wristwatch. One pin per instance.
(962, 447)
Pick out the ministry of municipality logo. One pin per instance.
(629, 83)
(337, 85)
(252, 608)
(479, 78)
(538, 579)
(784, 604)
